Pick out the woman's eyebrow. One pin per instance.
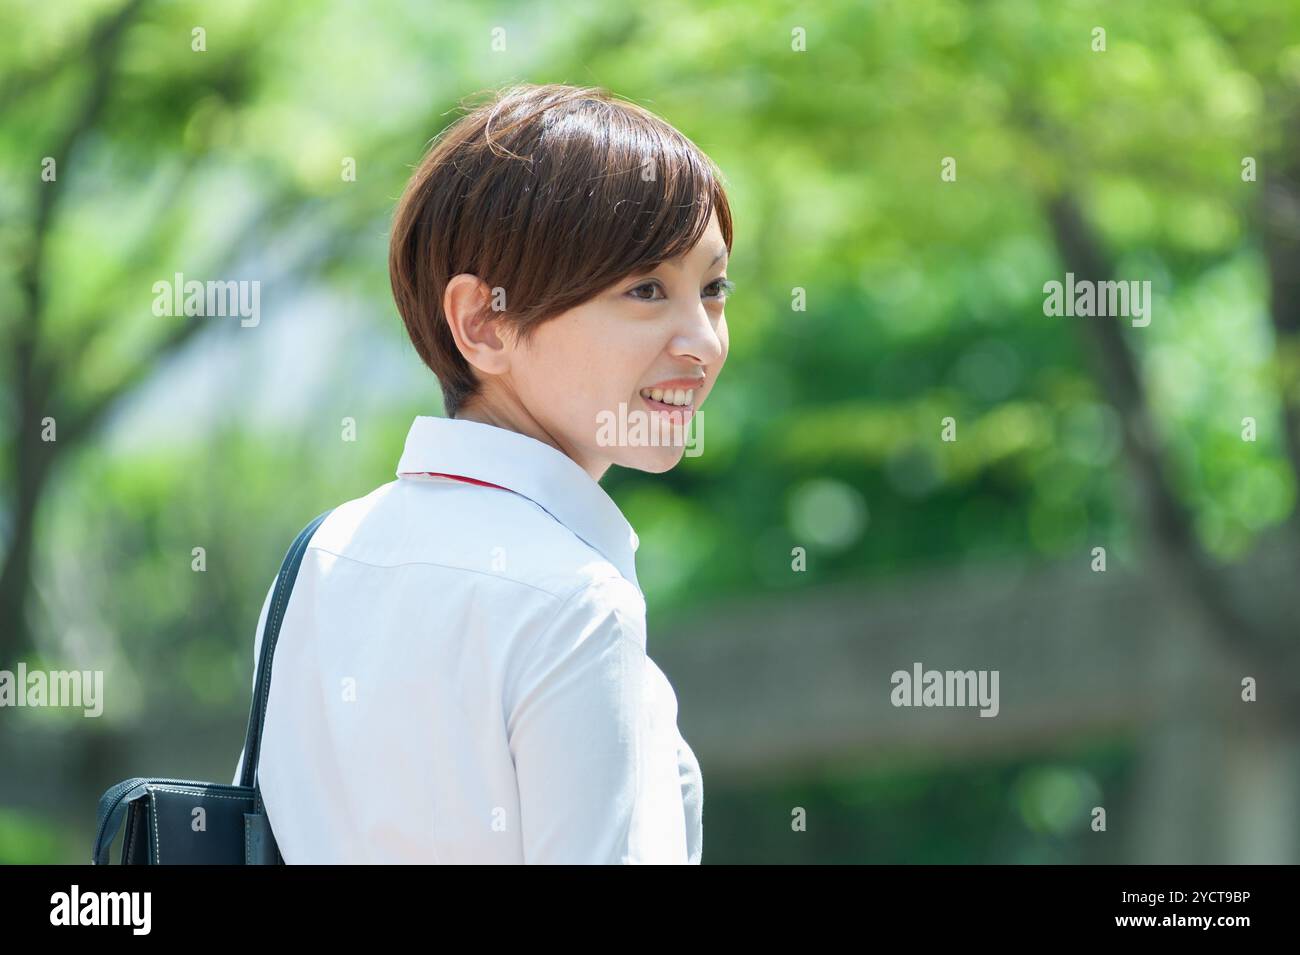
(680, 262)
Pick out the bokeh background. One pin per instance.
(1120, 689)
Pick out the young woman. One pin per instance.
(461, 675)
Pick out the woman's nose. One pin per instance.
(700, 337)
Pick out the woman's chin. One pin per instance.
(654, 460)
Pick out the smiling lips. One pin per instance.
(673, 398)
(674, 392)
(680, 397)
(666, 406)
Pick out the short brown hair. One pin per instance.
(551, 193)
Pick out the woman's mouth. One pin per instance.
(676, 404)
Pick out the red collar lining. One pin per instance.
(460, 477)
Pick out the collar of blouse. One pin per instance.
(495, 457)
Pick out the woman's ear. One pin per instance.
(475, 325)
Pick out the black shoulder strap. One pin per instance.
(270, 633)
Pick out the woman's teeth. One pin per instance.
(670, 396)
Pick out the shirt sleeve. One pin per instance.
(594, 745)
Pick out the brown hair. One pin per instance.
(551, 193)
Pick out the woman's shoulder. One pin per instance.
(482, 530)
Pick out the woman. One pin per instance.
(461, 674)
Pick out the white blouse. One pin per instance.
(461, 674)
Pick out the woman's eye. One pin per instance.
(722, 288)
(718, 289)
(648, 285)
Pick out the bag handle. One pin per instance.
(270, 633)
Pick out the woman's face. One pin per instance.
(582, 384)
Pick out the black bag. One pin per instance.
(180, 821)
